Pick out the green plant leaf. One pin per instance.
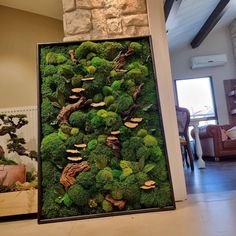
(60, 98)
(147, 168)
(66, 200)
(148, 107)
(56, 104)
(52, 99)
(141, 163)
(152, 131)
(116, 173)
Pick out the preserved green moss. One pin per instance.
(78, 195)
(85, 48)
(55, 59)
(107, 206)
(53, 149)
(109, 100)
(120, 159)
(77, 119)
(104, 176)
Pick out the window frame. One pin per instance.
(213, 98)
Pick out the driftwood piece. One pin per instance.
(65, 112)
(114, 144)
(118, 203)
(72, 56)
(137, 91)
(121, 58)
(70, 171)
(126, 115)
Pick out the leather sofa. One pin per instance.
(213, 145)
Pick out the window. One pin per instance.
(197, 96)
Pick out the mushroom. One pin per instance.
(74, 97)
(72, 151)
(99, 104)
(115, 132)
(74, 158)
(77, 90)
(149, 183)
(131, 125)
(147, 187)
(137, 120)
(83, 145)
(112, 138)
(88, 79)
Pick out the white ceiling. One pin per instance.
(190, 17)
(50, 8)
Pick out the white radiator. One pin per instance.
(29, 132)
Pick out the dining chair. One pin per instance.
(183, 119)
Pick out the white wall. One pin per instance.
(162, 64)
(20, 33)
(216, 43)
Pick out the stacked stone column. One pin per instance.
(104, 19)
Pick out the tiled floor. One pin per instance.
(209, 214)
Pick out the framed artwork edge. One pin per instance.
(42, 220)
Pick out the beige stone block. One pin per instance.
(114, 26)
(113, 12)
(84, 4)
(99, 23)
(129, 31)
(138, 20)
(143, 31)
(68, 5)
(133, 6)
(113, 3)
(98, 3)
(79, 37)
(77, 22)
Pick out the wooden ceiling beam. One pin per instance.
(167, 7)
(210, 23)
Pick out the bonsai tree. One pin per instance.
(9, 124)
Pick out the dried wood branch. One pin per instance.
(70, 171)
(72, 56)
(65, 112)
(121, 58)
(118, 203)
(137, 91)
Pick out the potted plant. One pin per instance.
(13, 176)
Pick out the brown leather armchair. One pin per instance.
(212, 143)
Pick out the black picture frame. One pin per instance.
(41, 219)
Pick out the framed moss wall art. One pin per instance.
(102, 149)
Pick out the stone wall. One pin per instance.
(103, 19)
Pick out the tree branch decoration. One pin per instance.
(9, 124)
(121, 58)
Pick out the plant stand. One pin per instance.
(18, 202)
